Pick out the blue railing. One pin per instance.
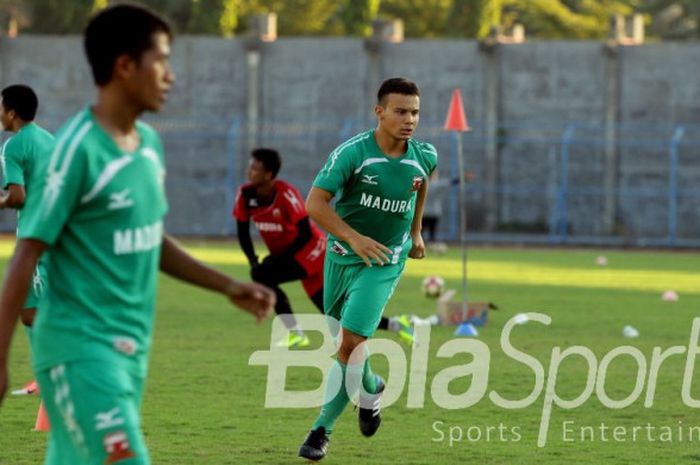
(552, 147)
(549, 186)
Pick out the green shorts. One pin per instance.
(356, 294)
(37, 287)
(94, 410)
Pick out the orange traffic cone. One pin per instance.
(32, 387)
(456, 118)
(42, 420)
(29, 388)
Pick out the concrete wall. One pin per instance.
(313, 93)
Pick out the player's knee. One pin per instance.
(349, 343)
(258, 275)
(346, 351)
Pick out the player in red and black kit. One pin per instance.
(297, 246)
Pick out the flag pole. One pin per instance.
(457, 122)
(462, 226)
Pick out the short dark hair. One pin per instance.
(119, 30)
(22, 99)
(270, 159)
(397, 85)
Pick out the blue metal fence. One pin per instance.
(549, 186)
(550, 181)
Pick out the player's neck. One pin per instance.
(113, 111)
(389, 145)
(18, 125)
(265, 190)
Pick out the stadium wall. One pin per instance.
(520, 99)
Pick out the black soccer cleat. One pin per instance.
(369, 418)
(315, 445)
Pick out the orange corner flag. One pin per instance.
(456, 119)
(42, 420)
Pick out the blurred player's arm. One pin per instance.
(246, 243)
(319, 209)
(14, 293)
(418, 247)
(303, 238)
(251, 297)
(13, 197)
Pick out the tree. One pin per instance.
(548, 19)
(556, 19)
(203, 17)
(489, 13)
(14, 15)
(473, 18)
(228, 20)
(57, 16)
(97, 5)
(679, 19)
(216, 17)
(422, 18)
(298, 17)
(356, 16)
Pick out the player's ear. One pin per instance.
(378, 111)
(124, 66)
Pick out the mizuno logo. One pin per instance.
(119, 200)
(370, 179)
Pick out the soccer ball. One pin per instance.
(433, 286)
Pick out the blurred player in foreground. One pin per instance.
(100, 216)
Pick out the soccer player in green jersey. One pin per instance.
(100, 216)
(23, 157)
(381, 179)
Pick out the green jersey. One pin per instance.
(376, 194)
(24, 157)
(100, 211)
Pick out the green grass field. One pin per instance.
(205, 405)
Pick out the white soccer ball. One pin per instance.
(433, 286)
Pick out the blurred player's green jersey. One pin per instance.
(376, 194)
(24, 158)
(100, 210)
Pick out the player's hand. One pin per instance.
(253, 298)
(4, 381)
(370, 250)
(418, 248)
